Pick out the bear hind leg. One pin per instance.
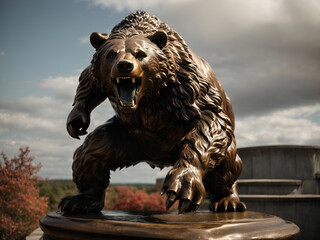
(108, 147)
(230, 203)
(91, 180)
(84, 202)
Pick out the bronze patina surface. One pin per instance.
(157, 225)
(171, 110)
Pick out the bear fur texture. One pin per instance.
(170, 110)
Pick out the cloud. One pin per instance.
(138, 174)
(62, 87)
(45, 115)
(297, 125)
(84, 40)
(134, 4)
(55, 156)
(39, 122)
(2, 53)
(25, 122)
(41, 116)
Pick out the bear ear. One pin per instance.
(160, 38)
(97, 39)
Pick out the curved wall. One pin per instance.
(283, 162)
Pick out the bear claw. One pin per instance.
(228, 204)
(183, 185)
(184, 204)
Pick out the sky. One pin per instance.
(266, 53)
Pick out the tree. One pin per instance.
(21, 205)
(131, 199)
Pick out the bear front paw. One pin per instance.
(184, 184)
(77, 123)
(82, 203)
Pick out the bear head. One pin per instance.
(130, 68)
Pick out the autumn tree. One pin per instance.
(21, 205)
(131, 199)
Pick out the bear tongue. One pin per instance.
(126, 93)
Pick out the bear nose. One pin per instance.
(125, 66)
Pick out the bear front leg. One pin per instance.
(207, 150)
(107, 148)
(184, 182)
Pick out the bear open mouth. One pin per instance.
(128, 90)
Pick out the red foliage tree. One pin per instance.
(130, 199)
(21, 205)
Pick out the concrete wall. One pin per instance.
(283, 181)
(283, 162)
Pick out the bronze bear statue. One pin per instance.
(170, 110)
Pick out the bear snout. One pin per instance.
(125, 66)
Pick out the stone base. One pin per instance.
(166, 225)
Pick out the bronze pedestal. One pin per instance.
(166, 225)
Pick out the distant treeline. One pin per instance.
(57, 189)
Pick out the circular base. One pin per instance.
(166, 225)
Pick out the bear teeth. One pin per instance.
(133, 80)
(128, 104)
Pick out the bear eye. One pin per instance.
(111, 54)
(140, 55)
